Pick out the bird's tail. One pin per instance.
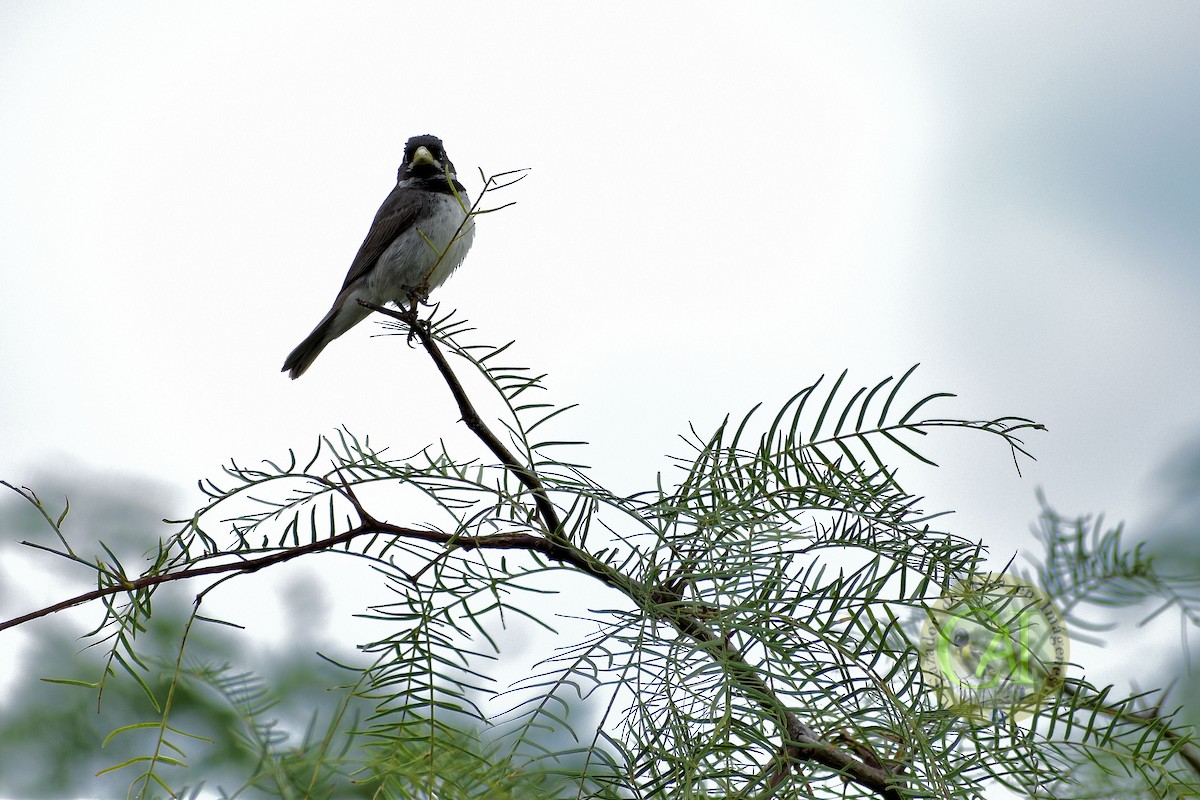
(345, 314)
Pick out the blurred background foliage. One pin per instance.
(1173, 534)
(49, 732)
(292, 699)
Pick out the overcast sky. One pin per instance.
(723, 205)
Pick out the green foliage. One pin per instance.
(756, 633)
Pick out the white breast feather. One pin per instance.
(413, 256)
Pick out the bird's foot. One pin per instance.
(417, 297)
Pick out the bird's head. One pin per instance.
(424, 158)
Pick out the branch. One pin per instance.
(526, 475)
(803, 743)
(498, 541)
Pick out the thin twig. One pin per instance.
(526, 475)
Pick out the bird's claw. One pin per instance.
(417, 297)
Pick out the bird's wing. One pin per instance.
(397, 214)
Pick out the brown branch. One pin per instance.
(803, 744)
(526, 475)
(498, 541)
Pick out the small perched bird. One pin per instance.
(420, 235)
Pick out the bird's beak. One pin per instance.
(423, 156)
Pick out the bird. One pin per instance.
(419, 236)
